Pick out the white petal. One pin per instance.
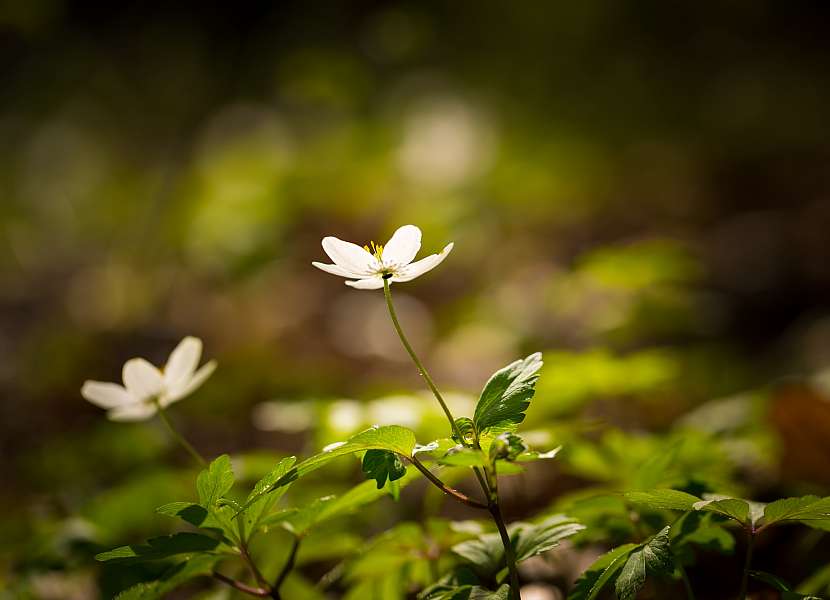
(402, 247)
(420, 267)
(350, 257)
(105, 395)
(142, 379)
(373, 283)
(189, 386)
(336, 270)
(183, 361)
(137, 411)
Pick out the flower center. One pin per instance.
(376, 250)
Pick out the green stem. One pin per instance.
(444, 487)
(178, 437)
(509, 553)
(488, 484)
(747, 563)
(242, 587)
(289, 565)
(421, 369)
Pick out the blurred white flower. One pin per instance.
(146, 387)
(370, 266)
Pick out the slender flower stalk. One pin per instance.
(489, 484)
(421, 369)
(162, 413)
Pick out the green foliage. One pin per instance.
(810, 510)
(381, 465)
(161, 547)
(179, 574)
(486, 552)
(662, 499)
(600, 573)
(654, 558)
(392, 438)
(301, 521)
(507, 395)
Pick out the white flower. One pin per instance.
(144, 384)
(371, 266)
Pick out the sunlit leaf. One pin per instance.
(507, 395)
(600, 573)
(663, 499)
(198, 566)
(161, 547)
(215, 481)
(810, 510)
(652, 558)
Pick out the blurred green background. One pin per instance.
(641, 190)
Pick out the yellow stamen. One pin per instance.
(376, 250)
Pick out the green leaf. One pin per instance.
(652, 558)
(161, 547)
(381, 465)
(507, 446)
(807, 509)
(663, 499)
(467, 428)
(393, 438)
(198, 566)
(302, 520)
(507, 395)
(486, 552)
(734, 508)
(532, 539)
(467, 592)
(463, 457)
(192, 513)
(215, 481)
(597, 576)
(699, 529)
(259, 504)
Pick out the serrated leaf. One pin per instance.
(258, 504)
(393, 438)
(161, 547)
(486, 552)
(215, 481)
(381, 465)
(810, 510)
(663, 499)
(734, 508)
(533, 539)
(198, 566)
(597, 576)
(652, 558)
(507, 395)
(302, 520)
